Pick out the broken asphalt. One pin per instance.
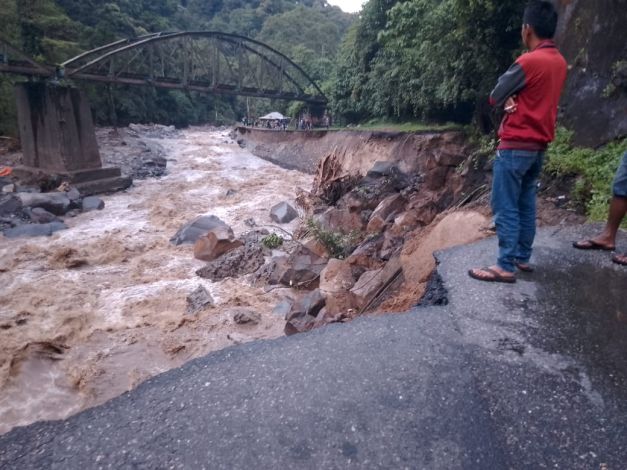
(531, 375)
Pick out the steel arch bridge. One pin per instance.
(201, 61)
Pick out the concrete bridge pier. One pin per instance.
(58, 138)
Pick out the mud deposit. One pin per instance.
(94, 310)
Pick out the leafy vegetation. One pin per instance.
(272, 241)
(338, 244)
(425, 59)
(594, 170)
(408, 126)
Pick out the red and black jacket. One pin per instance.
(537, 78)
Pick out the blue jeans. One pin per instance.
(514, 187)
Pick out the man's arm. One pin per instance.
(510, 83)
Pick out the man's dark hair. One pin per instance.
(542, 17)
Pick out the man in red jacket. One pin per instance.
(530, 92)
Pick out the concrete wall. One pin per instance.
(56, 128)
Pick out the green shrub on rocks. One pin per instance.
(338, 244)
(272, 241)
(594, 170)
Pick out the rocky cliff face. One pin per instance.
(591, 35)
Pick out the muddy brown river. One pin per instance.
(93, 311)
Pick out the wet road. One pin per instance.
(532, 375)
(551, 351)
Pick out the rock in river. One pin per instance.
(214, 244)
(195, 229)
(34, 230)
(198, 300)
(283, 213)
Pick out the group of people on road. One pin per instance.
(303, 123)
(529, 91)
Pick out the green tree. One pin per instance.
(434, 59)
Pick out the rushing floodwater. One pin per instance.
(94, 310)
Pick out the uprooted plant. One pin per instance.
(338, 244)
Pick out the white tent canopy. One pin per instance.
(274, 116)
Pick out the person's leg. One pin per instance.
(618, 208)
(507, 175)
(527, 208)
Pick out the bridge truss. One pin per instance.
(202, 61)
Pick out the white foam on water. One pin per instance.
(113, 289)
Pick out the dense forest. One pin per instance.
(308, 31)
(418, 59)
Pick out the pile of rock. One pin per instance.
(385, 209)
(128, 149)
(27, 212)
(214, 241)
(350, 252)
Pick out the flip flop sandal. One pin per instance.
(496, 277)
(524, 267)
(617, 259)
(592, 245)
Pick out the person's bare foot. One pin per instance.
(602, 242)
(492, 274)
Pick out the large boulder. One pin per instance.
(218, 241)
(385, 211)
(367, 286)
(340, 220)
(92, 203)
(344, 304)
(391, 245)
(9, 204)
(315, 246)
(304, 311)
(302, 269)
(366, 255)
(73, 194)
(34, 230)
(405, 222)
(336, 276)
(283, 213)
(307, 304)
(242, 260)
(283, 308)
(195, 229)
(55, 202)
(41, 216)
(370, 284)
(272, 272)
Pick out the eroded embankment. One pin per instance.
(380, 205)
(358, 150)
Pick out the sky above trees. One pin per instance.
(349, 6)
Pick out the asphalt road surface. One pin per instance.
(531, 375)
